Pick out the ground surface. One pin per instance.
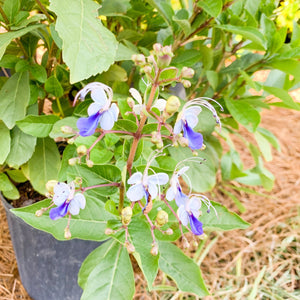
(261, 262)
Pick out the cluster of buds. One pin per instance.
(163, 55)
(156, 139)
(81, 151)
(172, 106)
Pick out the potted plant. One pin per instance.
(113, 145)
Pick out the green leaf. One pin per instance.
(5, 183)
(187, 58)
(124, 53)
(56, 130)
(114, 73)
(182, 269)
(212, 7)
(11, 8)
(268, 135)
(16, 175)
(114, 7)
(167, 76)
(213, 78)
(184, 24)
(112, 275)
(88, 47)
(247, 32)
(12, 194)
(98, 174)
(4, 142)
(39, 126)
(140, 234)
(125, 125)
(225, 219)
(14, 96)
(53, 86)
(90, 224)
(282, 95)
(7, 37)
(164, 8)
(264, 146)
(44, 164)
(244, 114)
(202, 176)
(38, 72)
(289, 66)
(21, 149)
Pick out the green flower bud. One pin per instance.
(138, 59)
(203, 147)
(89, 163)
(157, 48)
(40, 212)
(78, 181)
(169, 231)
(81, 150)
(71, 141)
(109, 231)
(195, 153)
(126, 215)
(172, 105)
(73, 161)
(66, 129)
(147, 69)
(187, 72)
(130, 102)
(50, 186)
(183, 141)
(167, 50)
(67, 234)
(162, 218)
(185, 243)
(164, 61)
(130, 248)
(186, 83)
(156, 137)
(154, 249)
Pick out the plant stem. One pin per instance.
(138, 134)
(93, 145)
(44, 10)
(83, 189)
(121, 197)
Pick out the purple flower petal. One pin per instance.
(195, 138)
(196, 225)
(87, 126)
(180, 197)
(59, 212)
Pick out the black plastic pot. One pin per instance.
(48, 268)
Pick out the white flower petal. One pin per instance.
(178, 127)
(153, 190)
(158, 178)
(135, 178)
(137, 109)
(98, 95)
(170, 195)
(81, 200)
(194, 206)
(107, 120)
(61, 193)
(160, 104)
(114, 110)
(183, 215)
(182, 170)
(136, 192)
(74, 207)
(94, 108)
(136, 95)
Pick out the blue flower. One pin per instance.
(187, 119)
(144, 185)
(175, 190)
(101, 111)
(189, 212)
(66, 201)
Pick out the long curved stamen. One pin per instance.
(189, 159)
(206, 201)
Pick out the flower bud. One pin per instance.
(73, 161)
(164, 61)
(160, 145)
(108, 231)
(167, 50)
(195, 153)
(130, 248)
(157, 47)
(195, 244)
(154, 249)
(67, 234)
(138, 59)
(66, 129)
(78, 180)
(50, 186)
(89, 163)
(71, 141)
(172, 105)
(130, 102)
(162, 218)
(40, 212)
(155, 137)
(147, 69)
(169, 231)
(183, 141)
(203, 147)
(187, 72)
(185, 243)
(186, 83)
(203, 236)
(81, 150)
(126, 215)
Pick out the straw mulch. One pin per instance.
(261, 262)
